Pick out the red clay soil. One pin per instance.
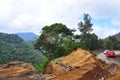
(54, 68)
(82, 65)
(115, 75)
(18, 71)
(79, 65)
(79, 58)
(86, 72)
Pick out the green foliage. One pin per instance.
(57, 40)
(71, 44)
(42, 67)
(111, 43)
(51, 40)
(92, 42)
(86, 26)
(117, 36)
(60, 51)
(13, 48)
(100, 44)
(87, 40)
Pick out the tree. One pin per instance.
(51, 38)
(92, 41)
(86, 26)
(88, 40)
(101, 44)
(111, 43)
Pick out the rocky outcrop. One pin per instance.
(19, 71)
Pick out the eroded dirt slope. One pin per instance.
(79, 58)
(79, 65)
(18, 71)
(85, 72)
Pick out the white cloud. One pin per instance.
(21, 21)
(5, 6)
(32, 15)
(116, 21)
(104, 31)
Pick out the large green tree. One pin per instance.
(52, 39)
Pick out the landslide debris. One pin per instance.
(79, 65)
(79, 58)
(19, 71)
(115, 72)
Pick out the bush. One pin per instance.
(41, 68)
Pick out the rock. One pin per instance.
(19, 71)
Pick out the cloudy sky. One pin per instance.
(32, 15)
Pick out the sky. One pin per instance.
(32, 15)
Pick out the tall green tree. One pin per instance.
(52, 38)
(85, 26)
(88, 40)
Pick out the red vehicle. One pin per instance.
(110, 54)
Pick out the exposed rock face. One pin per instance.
(19, 71)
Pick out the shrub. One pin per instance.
(41, 68)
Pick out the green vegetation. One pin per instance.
(41, 68)
(13, 48)
(51, 40)
(111, 43)
(117, 36)
(88, 40)
(57, 40)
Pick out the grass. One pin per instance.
(57, 59)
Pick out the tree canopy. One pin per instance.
(52, 39)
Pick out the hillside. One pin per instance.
(13, 48)
(78, 65)
(28, 36)
(117, 35)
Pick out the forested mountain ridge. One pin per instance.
(28, 36)
(14, 48)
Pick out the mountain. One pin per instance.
(14, 48)
(28, 36)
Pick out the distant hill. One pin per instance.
(28, 36)
(14, 48)
(117, 36)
